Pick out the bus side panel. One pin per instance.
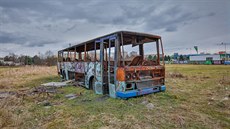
(121, 86)
(79, 67)
(98, 82)
(112, 90)
(69, 67)
(86, 65)
(89, 72)
(65, 71)
(59, 67)
(80, 70)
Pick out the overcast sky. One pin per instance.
(32, 26)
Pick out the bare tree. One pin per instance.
(50, 58)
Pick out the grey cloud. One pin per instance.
(173, 18)
(171, 29)
(41, 43)
(10, 38)
(70, 28)
(25, 10)
(28, 41)
(114, 13)
(40, 22)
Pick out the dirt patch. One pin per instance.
(6, 118)
(102, 98)
(6, 94)
(205, 77)
(176, 75)
(225, 80)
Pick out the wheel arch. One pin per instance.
(91, 81)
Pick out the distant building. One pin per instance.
(175, 56)
(222, 52)
(133, 53)
(1, 60)
(224, 55)
(8, 62)
(202, 53)
(205, 59)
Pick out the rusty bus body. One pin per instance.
(107, 72)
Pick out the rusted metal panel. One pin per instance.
(138, 68)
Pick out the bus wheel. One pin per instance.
(91, 83)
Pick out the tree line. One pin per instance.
(169, 58)
(166, 58)
(48, 59)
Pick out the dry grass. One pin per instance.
(17, 81)
(197, 96)
(18, 77)
(9, 108)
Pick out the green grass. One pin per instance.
(42, 80)
(194, 101)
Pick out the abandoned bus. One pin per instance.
(122, 64)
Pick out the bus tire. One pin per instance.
(91, 83)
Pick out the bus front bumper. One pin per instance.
(133, 93)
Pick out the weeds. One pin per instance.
(197, 96)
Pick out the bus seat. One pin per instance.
(136, 61)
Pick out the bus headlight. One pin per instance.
(134, 76)
(128, 76)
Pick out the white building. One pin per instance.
(1, 60)
(204, 57)
(133, 53)
(8, 62)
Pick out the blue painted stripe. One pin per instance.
(110, 37)
(133, 93)
(163, 88)
(227, 62)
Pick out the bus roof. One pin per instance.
(128, 36)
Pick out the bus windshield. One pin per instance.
(149, 54)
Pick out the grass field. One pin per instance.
(197, 96)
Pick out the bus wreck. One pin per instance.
(103, 65)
